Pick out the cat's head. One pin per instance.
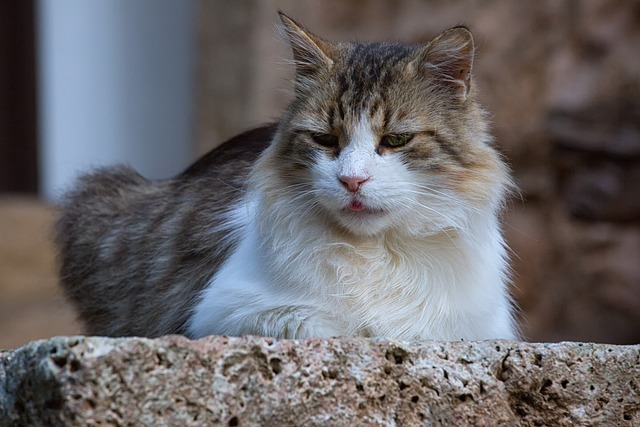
(384, 136)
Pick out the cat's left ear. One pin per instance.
(450, 57)
(310, 52)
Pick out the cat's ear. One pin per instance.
(450, 57)
(310, 53)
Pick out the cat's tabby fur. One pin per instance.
(371, 208)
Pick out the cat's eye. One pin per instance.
(395, 140)
(325, 139)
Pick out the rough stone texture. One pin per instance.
(562, 81)
(77, 381)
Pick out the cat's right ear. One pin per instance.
(450, 58)
(310, 53)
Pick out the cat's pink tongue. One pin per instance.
(356, 206)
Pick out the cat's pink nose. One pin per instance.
(353, 183)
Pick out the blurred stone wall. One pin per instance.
(562, 80)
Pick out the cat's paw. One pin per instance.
(319, 325)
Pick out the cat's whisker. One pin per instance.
(447, 198)
(453, 223)
(438, 226)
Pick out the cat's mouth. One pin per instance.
(358, 206)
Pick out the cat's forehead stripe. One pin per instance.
(370, 58)
(369, 70)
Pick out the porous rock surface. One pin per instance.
(78, 381)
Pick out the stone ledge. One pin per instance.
(82, 381)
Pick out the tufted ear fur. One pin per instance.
(450, 57)
(310, 53)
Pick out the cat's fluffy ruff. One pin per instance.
(296, 274)
(425, 259)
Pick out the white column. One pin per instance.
(116, 81)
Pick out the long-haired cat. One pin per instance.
(370, 209)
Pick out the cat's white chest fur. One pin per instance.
(314, 283)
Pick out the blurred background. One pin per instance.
(155, 83)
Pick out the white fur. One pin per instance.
(420, 263)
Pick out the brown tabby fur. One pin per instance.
(126, 241)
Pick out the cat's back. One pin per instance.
(131, 248)
(235, 155)
(113, 195)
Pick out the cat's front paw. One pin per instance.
(316, 325)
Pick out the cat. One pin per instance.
(371, 208)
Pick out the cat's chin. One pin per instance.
(362, 220)
(369, 222)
